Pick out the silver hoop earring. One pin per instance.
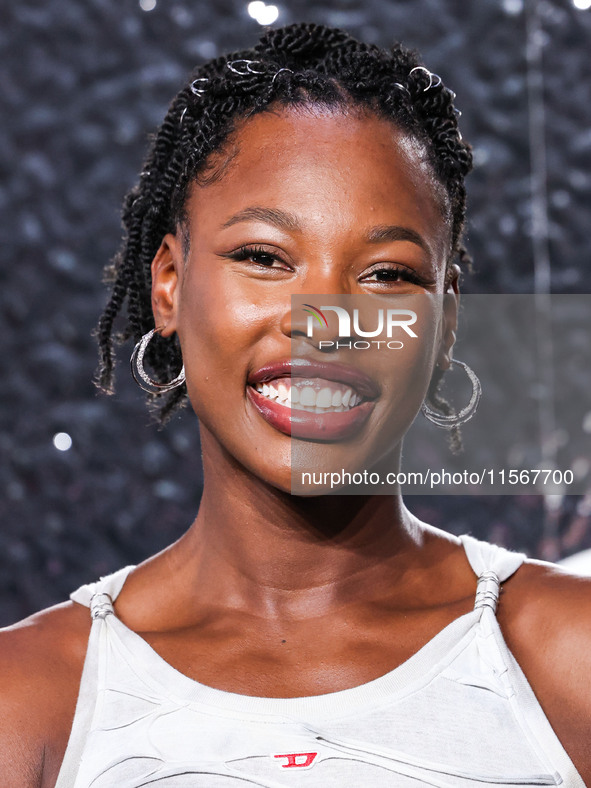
(455, 419)
(140, 375)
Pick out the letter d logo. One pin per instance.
(297, 760)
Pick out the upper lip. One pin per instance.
(305, 368)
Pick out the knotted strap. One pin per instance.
(99, 597)
(101, 606)
(492, 565)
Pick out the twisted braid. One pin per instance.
(296, 64)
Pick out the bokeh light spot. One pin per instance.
(263, 13)
(62, 441)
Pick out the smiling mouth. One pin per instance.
(314, 395)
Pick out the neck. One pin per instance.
(260, 546)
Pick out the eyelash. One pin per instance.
(402, 273)
(247, 252)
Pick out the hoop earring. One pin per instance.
(455, 419)
(140, 375)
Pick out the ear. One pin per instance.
(451, 305)
(166, 273)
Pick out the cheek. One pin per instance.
(406, 371)
(217, 325)
(413, 363)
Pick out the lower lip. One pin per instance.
(307, 425)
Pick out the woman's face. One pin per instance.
(301, 208)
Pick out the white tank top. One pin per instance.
(459, 712)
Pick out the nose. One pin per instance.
(311, 321)
(325, 283)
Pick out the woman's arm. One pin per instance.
(545, 615)
(41, 661)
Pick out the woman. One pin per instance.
(286, 639)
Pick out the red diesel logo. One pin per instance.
(297, 760)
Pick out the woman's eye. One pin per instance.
(258, 256)
(389, 274)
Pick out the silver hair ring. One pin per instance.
(140, 375)
(431, 76)
(279, 72)
(455, 419)
(198, 91)
(232, 65)
(250, 63)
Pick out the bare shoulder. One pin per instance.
(545, 615)
(548, 610)
(41, 661)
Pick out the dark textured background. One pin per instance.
(83, 84)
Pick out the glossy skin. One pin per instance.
(233, 316)
(271, 594)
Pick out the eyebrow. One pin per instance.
(394, 232)
(289, 221)
(275, 216)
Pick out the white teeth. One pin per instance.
(308, 397)
(324, 398)
(283, 393)
(323, 401)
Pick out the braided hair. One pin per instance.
(297, 64)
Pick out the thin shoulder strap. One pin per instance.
(492, 565)
(99, 598)
(94, 595)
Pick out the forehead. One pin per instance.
(341, 164)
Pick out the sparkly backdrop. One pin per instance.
(83, 84)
